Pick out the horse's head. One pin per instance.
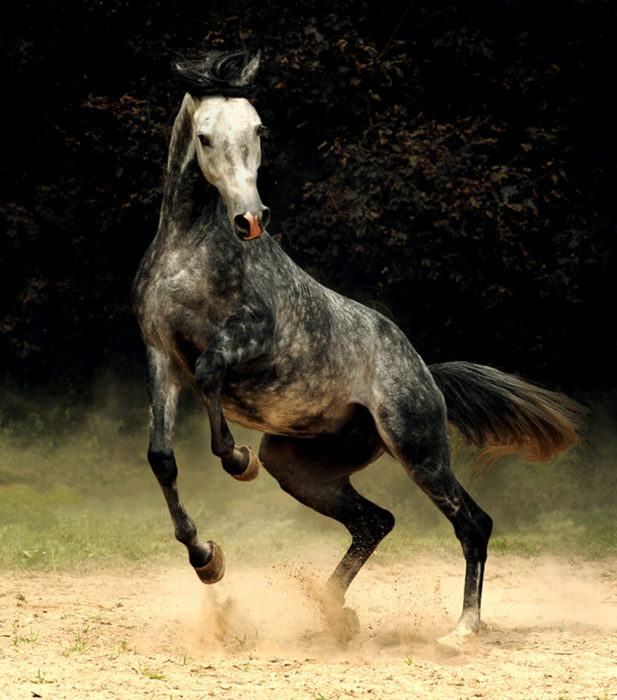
(226, 133)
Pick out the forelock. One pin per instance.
(228, 74)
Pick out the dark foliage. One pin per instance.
(451, 163)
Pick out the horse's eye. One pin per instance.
(262, 130)
(204, 141)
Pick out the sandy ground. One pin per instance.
(550, 632)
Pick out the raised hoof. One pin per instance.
(214, 570)
(252, 468)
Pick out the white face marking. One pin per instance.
(228, 148)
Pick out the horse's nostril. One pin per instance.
(249, 225)
(242, 223)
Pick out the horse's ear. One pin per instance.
(247, 76)
(187, 108)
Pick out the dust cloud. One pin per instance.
(403, 608)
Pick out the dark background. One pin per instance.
(451, 164)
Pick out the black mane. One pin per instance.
(228, 74)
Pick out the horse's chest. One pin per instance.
(181, 305)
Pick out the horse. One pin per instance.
(331, 383)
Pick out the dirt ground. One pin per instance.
(550, 632)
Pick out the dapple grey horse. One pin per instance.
(331, 383)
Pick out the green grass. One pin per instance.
(76, 492)
(80, 646)
(152, 675)
(63, 528)
(82, 495)
(24, 638)
(40, 678)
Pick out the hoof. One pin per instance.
(347, 625)
(464, 637)
(214, 570)
(458, 642)
(252, 468)
(342, 621)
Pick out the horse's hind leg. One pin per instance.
(164, 382)
(316, 472)
(416, 433)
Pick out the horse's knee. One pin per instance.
(482, 522)
(164, 466)
(386, 522)
(473, 532)
(485, 523)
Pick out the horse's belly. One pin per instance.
(288, 413)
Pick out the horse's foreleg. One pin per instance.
(238, 460)
(246, 335)
(164, 382)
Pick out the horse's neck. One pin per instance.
(187, 196)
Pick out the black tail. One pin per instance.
(505, 415)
